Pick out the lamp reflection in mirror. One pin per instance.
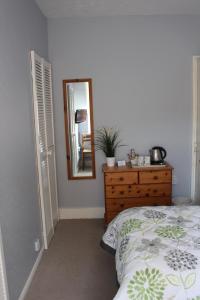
(80, 115)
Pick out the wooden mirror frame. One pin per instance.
(66, 112)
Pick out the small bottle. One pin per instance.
(133, 154)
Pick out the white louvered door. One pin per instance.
(43, 116)
(48, 97)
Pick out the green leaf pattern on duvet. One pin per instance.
(171, 232)
(189, 280)
(147, 284)
(178, 280)
(129, 226)
(172, 244)
(174, 279)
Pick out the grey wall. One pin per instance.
(142, 83)
(22, 27)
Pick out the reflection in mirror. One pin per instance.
(79, 128)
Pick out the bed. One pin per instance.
(157, 252)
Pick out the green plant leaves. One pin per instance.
(107, 140)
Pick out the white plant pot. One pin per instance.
(110, 161)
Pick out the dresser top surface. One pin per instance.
(128, 168)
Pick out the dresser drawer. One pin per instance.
(155, 176)
(127, 187)
(146, 190)
(121, 178)
(117, 205)
(150, 201)
(120, 191)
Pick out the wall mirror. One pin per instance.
(79, 128)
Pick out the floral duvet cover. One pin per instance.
(157, 252)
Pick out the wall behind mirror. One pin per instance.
(142, 85)
(79, 128)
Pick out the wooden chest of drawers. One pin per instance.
(127, 187)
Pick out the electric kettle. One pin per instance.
(157, 155)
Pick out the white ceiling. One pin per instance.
(90, 8)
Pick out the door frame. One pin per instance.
(194, 127)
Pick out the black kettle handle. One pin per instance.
(163, 152)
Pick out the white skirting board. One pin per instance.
(82, 213)
(31, 275)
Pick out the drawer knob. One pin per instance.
(121, 192)
(121, 178)
(155, 177)
(155, 191)
(121, 205)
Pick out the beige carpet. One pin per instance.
(75, 267)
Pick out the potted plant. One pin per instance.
(107, 140)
